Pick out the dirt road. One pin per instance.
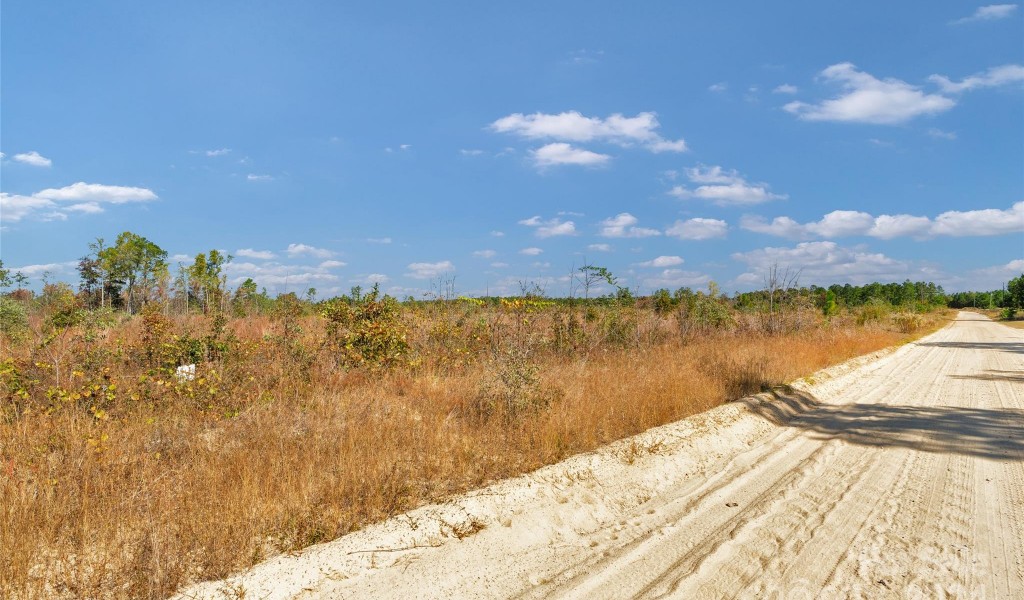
(900, 475)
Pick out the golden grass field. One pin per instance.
(121, 481)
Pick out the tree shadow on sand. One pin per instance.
(997, 434)
(1013, 347)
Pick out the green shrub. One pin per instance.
(368, 331)
(13, 319)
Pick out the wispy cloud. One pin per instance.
(867, 99)
(218, 152)
(600, 247)
(990, 12)
(255, 177)
(531, 251)
(485, 253)
(940, 134)
(785, 88)
(380, 240)
(994, 76)
(723, 187)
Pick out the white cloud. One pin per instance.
(532, 251)
(258, 254)
(277, 275)
(623, 225)
(54, 269)
(550, 228)
(844, 223)
(940, 134)
(332, 264)
(218, 152)
(299, 249)
(985, 222)
(485, 253)
(499, 265)
(380, 278)
(14, 208)
(724, 188)
(85, 207)
(870, 100)
(600, 247)
(698, 229)
(995, 76)
(404, 146)
(780, 226)
(33, 158)
(95, 192)
(382, 240)
(663, 261)
(560, 153)
(718, 87)
(667, 146)
(424, 270)
(785, 89)
(675, 278)
(470, 152)
(1000, 273)
(254, 177)
(86, 198)
(824, 262)
(497, 234)
(887, 227)
(574, 127)
(990, 12)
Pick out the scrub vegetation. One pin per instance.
(124, 474)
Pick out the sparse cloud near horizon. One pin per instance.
(427, 270)
(846, 223)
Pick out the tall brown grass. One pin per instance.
(119, 481)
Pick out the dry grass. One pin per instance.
(163, 485)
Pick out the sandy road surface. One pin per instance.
(896, 476)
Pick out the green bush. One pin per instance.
(368, 331)
(13, 319)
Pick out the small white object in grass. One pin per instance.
(185, 372)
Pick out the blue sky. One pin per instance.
(327, 146)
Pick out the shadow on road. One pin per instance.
(989, 433)
(1015, 347)
(994, 375)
